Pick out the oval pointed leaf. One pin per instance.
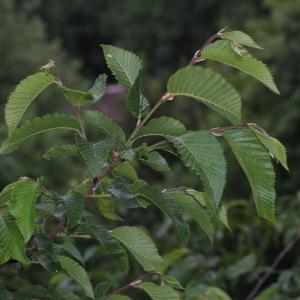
(24, 94)
(59, 151)
(208, 87)
(255, 161)
(155, 161)
(40, 125)
(162, 126)
(12, 245)
(124, 64)
(101, 122)
(159, 292)
(222, 52)
(201, 152)
(98, 88)
(77, 97)
(241, 38)
(22, 206)
(78, 273)
(140, 246)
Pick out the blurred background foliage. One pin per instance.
(165, 33)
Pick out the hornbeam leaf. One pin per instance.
(39, 125)
(22, 206)
(167, 205)
(124, 64)
(78, 273)
(119, 297)
(255, 161)
(136, 103)
(163, 126)
(201, 152)
(241, 38)
(12, 245)
(104, 124)
(77, 97)
(98, 88)
(24, 94)
(221, 51)
(198, 212)
(96, 155)
(209, 88)
(159, 292)
(61, 150)
(155, 161)
(140, 246)
(273, 146)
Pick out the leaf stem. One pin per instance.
(78, 114)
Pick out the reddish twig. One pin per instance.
(56, 230)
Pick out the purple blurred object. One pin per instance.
(111, 104)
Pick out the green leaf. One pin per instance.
(96, 155)
(126, 170)
(74, 209)
(221, 51)
(98, 88)
(59, 151)
(173, 282)
(241, 38)
(22, 206)
(78, 273)
(162, 126)
(104, 237)
(243, 266)
(170, 258)
(255, 162)
(107, 206)
(209, 88)
(102, 289)
(136, 103)
(198, 212)
(205, 292)
(70, 249)
(124, 64)
(155, 161)
(201, 152)
(169, 207)
(40, 125)
(139, 245)
(24, 94)
(159, 292)
(119, 297)
(77, 97)
(5, 194)
(276, 149)
(104, 124)
(12, 245)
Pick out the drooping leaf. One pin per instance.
(96, 155)
(255, 161)
(276, 149)
(205, 292)
(155, 161)
(208, 87)
(198, 212)
(221, 51)
(139, 245)
(102, 289)
(22, 206)
(12, 245)
(159, 292)
(78, 273)
(105, 238)
(169, 207)
(120, 189)
(74, 204)
(68, 248)
(136, 103)
(107, 206)
(124, 64)
(162, 126)
(40, 125)
(24, 94)
(243, 266)
(201, 152)
(119, 297)
(241, 38)
(98, 88)
(6, 193)
(170, 258)
(59, 151)
(101, 122)
(77, 97)
(126, 170)
(172, 282)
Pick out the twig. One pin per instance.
(132, 284)
(272, 268)
(56, 230)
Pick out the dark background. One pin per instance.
(165, 34)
